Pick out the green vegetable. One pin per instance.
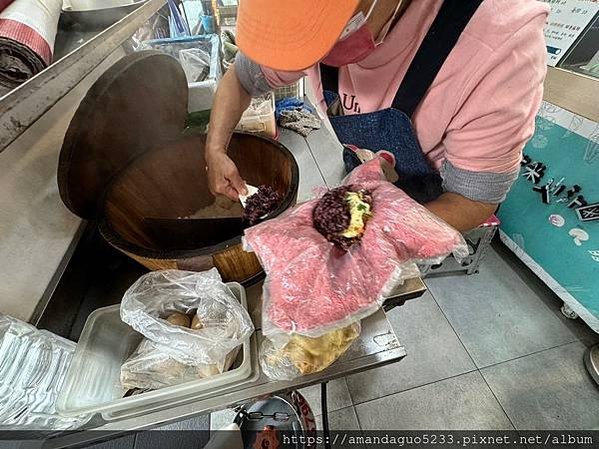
(197, 122)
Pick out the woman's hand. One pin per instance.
(223, 176)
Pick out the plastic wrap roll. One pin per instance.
(27, 33)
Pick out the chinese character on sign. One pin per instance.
(588, 213)
(534, 172)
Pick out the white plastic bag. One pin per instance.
(152, 366)
(173, 354)
(195, 63)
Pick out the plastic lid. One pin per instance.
(134, 107)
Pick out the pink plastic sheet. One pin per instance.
(313, 287)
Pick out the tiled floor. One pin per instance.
(487, 351)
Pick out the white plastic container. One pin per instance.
(33, 366)
(201, 95)
(92, 384)
(260, 117)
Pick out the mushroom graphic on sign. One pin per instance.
(557, 220)
(579, 236)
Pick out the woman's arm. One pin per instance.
(460, 212)
(230, 101)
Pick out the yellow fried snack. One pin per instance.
(312, 355)
(196, 323)
(360, 211)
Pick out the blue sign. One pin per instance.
(550, 216)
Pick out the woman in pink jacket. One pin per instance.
(450, 87)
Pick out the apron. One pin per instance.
(391, 129)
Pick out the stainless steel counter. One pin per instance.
(37, 232)
(376, 346)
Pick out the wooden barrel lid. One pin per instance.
(135, 106)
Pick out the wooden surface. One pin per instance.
(125, 158)
(234, 263)
(139, 104)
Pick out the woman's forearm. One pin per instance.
(460, 212)
(230, 101)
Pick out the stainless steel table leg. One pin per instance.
(591, 360)
(481, 249)
(325, 415)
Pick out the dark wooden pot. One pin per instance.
(125, 158)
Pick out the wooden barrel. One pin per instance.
(171, 182)
(125, 157)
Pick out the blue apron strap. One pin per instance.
(452, 19)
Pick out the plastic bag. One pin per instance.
(152, 366)
(313, 287)
(194, 50)
(304, 355)
(229, 48)
(33, 368)
(155, 296)
(260, 105)
(195, 63)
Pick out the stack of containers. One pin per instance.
(33, 367)
(259, 117)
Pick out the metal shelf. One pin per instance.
(27, 103)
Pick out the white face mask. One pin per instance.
(360, 20)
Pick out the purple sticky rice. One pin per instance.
(262, 203)
(331, 216)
